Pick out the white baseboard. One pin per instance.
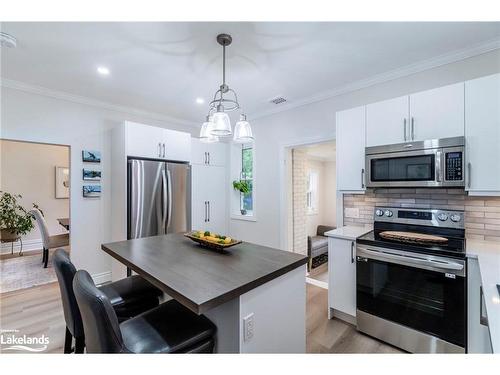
(315, 282)
(28, 245)
(101, 278)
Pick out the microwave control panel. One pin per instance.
(454, 166)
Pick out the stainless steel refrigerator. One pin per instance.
(159, 198)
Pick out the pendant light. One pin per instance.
(206, 131)
(225, 100)
(243, 131)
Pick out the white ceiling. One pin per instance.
(164, 67)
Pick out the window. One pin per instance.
(246, 200)
(312, 192)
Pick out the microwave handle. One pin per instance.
(362, 178)
(439, 166)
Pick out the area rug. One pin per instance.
(24, 272)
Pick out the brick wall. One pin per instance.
(299, 182)
(482, 214)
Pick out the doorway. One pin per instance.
(313, 205)
(35, 188)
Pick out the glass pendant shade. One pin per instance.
(205, 132)
(222, 124)
(243, 131)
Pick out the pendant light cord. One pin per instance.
(223, 66)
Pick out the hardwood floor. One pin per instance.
(335, 336)
(33, 312)
(38, 310)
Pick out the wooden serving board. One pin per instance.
(412, 237)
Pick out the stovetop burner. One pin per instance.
(425, 221)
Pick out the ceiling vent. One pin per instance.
(278, 100)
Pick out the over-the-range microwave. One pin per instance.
(431, 163)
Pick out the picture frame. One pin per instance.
(89, 156)
(91, 175)
(62, 182)
(91, 191)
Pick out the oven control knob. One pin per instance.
(455, 218)
(379, 212)
(388, 213)
(443, 217)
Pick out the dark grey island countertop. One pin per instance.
(199, 278)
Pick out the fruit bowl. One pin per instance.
(212, 240)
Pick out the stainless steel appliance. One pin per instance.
(159, 198)
(432, 163)
(410, 286)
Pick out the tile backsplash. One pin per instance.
(482, 214)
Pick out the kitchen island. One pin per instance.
(255, 295)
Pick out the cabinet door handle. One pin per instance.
(205, 211)
(404, 128)
(208, 211)
(159, 149)
(412, 129)
(362, 178)
(483, 320)
(352, 252)
(208, 158)
(164, 150)
(469, 174)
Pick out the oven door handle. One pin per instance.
(411, 260)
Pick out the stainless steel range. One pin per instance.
(411, 280)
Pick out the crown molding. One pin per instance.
(61, 95)
(408, 70)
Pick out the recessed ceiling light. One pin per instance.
(103, 70)
(200, 100)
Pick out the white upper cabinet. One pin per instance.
(350, 138)
(482, 135)
(387, 122)
(157, 143)
(437, 113)
(143, 140)
(208, 153)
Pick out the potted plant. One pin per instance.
(15, 221)
(243, 187)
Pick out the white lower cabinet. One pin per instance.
(478, 334)
(342, 278)
(208, 198)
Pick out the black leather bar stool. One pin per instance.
(168, 328)
(128, 297)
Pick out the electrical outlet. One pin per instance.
(248, 327)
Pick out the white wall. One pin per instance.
(329, 202)
(39, 118)
(29, 169)
(316, 121)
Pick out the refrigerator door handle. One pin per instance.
(164, 198)
(136, 227)
(169, 188)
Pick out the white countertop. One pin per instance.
(488, 256)
(348, 232)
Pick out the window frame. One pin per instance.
(236, 199)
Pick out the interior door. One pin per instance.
(145, 205)
(437, 113)
(178, 194)
(387, 122)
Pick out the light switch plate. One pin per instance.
(248, 327)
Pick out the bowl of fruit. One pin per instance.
(212, 240)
